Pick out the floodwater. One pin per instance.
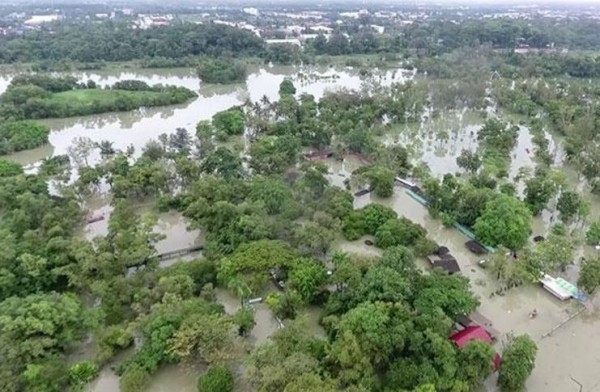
(439, 140)
(570, 351)
(139, 126)
(169, 378)
(171, 224)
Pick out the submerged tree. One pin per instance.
(517, 364)
(505, 221)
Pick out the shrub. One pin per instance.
(216, 379)
(83, 372)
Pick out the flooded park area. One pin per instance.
(567, 356)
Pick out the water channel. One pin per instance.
(436, 141)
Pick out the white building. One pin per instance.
(37, 20)
(379, 29)
(291, 41)
(251, 11)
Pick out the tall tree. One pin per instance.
(518, 363)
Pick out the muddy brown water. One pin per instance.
(571, 351)
(139, 126)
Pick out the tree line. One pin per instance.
(40, 96)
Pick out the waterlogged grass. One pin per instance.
(102, 97)
(95, 101)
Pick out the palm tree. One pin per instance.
(240, 288)
(106, 148)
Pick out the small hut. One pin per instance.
(442, 250)
(446, 262)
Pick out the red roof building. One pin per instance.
(475, 332)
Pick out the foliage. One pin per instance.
(221, 71)
(381, 180)
(307, 278)
(273, 154)
(216, 379)
(538, 191)
(505, 221)
(254, 260)
(400, 231)
(287, 87)
(230, 121)
(83, 372)
(77, 42)
(366, 221)
(21, 102)
(589, 276)
(517, 364)
(35, 327)
(592, 235)
(477, 362)
(469, 161)
(497, 141)
(21, 135)
(284, 306)
(134, 379)
(569, 204)
(244, 319)
(9, 168)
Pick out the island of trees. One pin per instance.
(38, 96)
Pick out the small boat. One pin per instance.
(362, 192)
(95, 218)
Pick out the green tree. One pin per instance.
(244, 319)
(538, 191)
(312, 239)
(216, 379)
(450, 293)
(469, 160)
(505, 221)
(399, 231)
(134, 379)
(477, 362)
(221, 71)
(36, 327)
(273, 154)
(517, 364)
(83, 372)
(307, 277)
(287, 87)
(381, 180)
(592, 236)
(230, 122)
(589, 276)
(569, 204)
(9, 168)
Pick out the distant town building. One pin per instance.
(292, 41)
(37, 20)
(251, 11)
(149, 21)
(379, 29)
